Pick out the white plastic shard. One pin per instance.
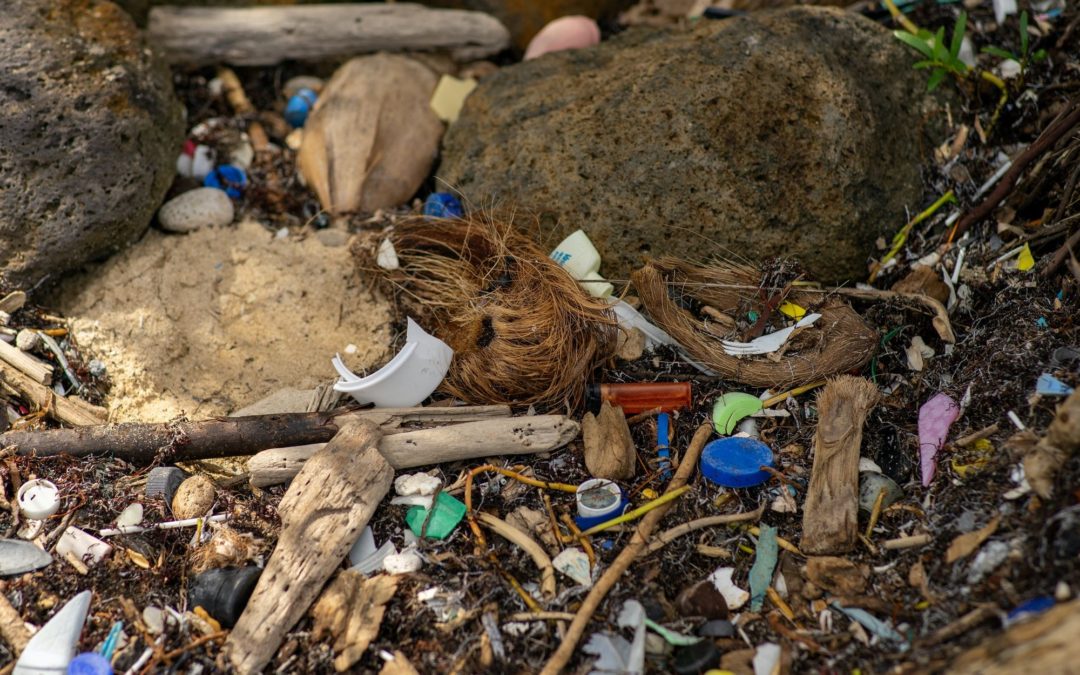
(51, 649)
(17, 557)
(766, 344)
(407, 379)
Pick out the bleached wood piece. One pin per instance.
(830, 516)
(1046, 644)
(264, 36)
(322, 516)
(33, 368)
(71, 410)
(470, 440)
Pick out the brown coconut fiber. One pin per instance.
(838, 342)
(522, 329)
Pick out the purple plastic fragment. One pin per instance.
(935, 418)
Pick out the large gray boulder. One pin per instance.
(89, 133)
(792, 132)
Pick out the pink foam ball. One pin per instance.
(566, 32)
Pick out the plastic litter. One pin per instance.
(671, 637)
(577, 255)
(299, 106)
(416, 484)
(163, 481)
(406, 562)
(767, 344)
(364, 546)
(449, 97)
(575, 564)
(734, 596)
(377, 559)
(870, 484)
(442, 205)
(223, 593)
(764, 564)
(167, 525)
(873, 624)
(630, 318)
(732, 407)
(721, 628)
(130, 516)
(767, 659)
(987, 560)
(18, 557)
(52, 648)
(228, 177)
(1064, 355)
(445, 515)
(85, 547)
(89, 663)
(598, 500)
(663, 444)
(736, 462)
(407, 379)
(935, 418)
(617, 655)
(38, 499)
(639, 397)
(1028, 609)
(792, 310)
(1048, 385)
(1002, 9)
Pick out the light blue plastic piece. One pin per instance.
(1048, 385)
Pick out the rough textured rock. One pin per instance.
(794, 132)
(89, 130)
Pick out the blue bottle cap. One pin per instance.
(736, 462)
(298, 107)
(89, 663)
(443, 205)
(227, 177)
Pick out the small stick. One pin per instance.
(73, 411)
(668, 536)
(638, 541)
(33, 368)
(985, 432)
(907, 542)
(541, 616)
(12, 627)
(875, 512)
(529, 545)
(961, 625)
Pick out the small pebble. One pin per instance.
(28, 340)
(717, 628)
(332, 237)
(154, 618)
(1062, 592)
(194, 497)
(406, 562)
(132, 515)
(201, 207)
(97, 368)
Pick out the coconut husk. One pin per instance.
(522, 329)
(840, 341)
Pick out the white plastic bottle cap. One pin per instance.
(38, 499)
(577, 255)
(598, 497)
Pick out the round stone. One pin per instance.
(194, 497)
(201, 207)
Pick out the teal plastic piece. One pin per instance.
(731, 408)
(448, 512)
(761, 574)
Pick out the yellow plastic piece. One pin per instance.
(449, 97)
(1026, 261)
(792, 310)
(649, 493)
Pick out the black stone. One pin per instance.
(696, 658)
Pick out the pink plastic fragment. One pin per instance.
(935, 418)
(566, 32)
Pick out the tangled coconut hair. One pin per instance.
(522, 329)
(838, 342)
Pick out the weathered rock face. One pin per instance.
(790, 133)
(89, 131)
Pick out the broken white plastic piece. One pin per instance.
(407, 379)
(387, 258)
(767, 659)
(1002, 9)
(575, 564)
(734, 596)
(84, 547)
(577, 255)
(631, 318)
(38, 499)
(53, 647)
(767, 344)
(364, 546)
(406, 562)
(416, 484)
(131, 516)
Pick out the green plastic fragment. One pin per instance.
(764, 564)
(448, 512)
(731, 408)
(671, 637)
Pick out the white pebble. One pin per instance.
(351, 348)
(132, 515)
(406, 562)
(201, 207)
(28, 340)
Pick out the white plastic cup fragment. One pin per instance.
(53, 647)
(38, 499)
(407, 379)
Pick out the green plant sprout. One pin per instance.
(1025, 57)
(944, 60)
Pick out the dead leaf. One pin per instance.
(918, 579)
(609, 448)
(351, 610)
(838, 576)
(535, 523)
(399, 666)
(372, 136)
(924, 280)
(965, 544)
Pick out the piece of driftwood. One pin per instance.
(609, 447)
(264, 36)
(69, 410)
(223, 437)
(1046, 644)
(350, 611)
(471, 440)
(33, 368)
(322, 515)
(830, 516)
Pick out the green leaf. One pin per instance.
(925, 64)
(999, 52)
(935, 79)
(940, 53)
(910, 40)
(1039, 55)
(1024, 32)
(958, 34)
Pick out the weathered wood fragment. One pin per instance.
(33, 368)
(322, 515)
(264, 36)
(70, 410)
(1046, 644)
(830, 516)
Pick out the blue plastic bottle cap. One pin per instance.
(89, 663)
(443, 205)
(736, 462)
(227, 177)
(298, 107)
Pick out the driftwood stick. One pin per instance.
(221, 437)
(73, 410)
(264, 36)
(35, 369)
(322, 514)
(12, 627)
(830, 516)
(1046, 644)
(472, 440)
